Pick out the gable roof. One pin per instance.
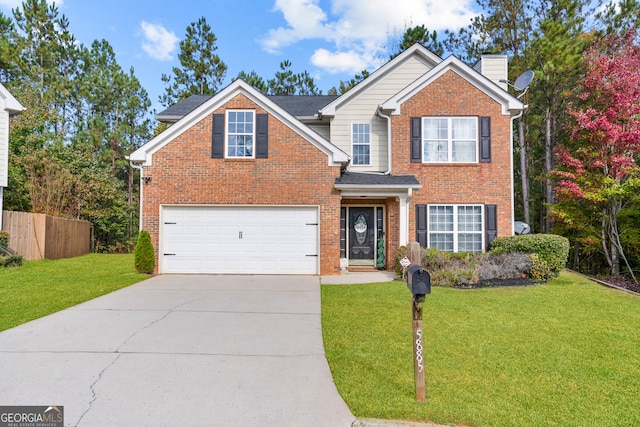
(180, 109)
(9, 102)
(143, 155)
(416, 50)
(301, 106)
(510, 104)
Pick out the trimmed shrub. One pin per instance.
(552, 251)
(453, 269)
(144, 255)
(4, 238)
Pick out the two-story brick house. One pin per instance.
(253, 184)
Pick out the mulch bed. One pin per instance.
(494, 283)
(619, 283)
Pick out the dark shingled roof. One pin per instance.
(302, 105)
(297, 105)
(354, 178)
(182, 108)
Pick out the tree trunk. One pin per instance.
(524, 174)
(548, 166)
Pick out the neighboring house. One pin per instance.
(8, 107)
(243, 183)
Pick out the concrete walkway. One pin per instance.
(180, 350)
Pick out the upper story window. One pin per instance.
(240, 133)
(449, 139)
(361, 143)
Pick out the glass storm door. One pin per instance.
(362, 237)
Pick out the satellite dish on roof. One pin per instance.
(523, 80)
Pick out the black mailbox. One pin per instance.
(418, 282)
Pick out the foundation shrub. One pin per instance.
(452, 269)
(551, 251)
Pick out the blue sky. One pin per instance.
(331, 39)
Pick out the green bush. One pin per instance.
(451, 269)
(143, 253)
(10, 260)
(551, 250)
(4, 238)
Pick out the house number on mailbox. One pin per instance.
(239, 234)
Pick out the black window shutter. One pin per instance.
(485, 139)
(421, 225)
(416, 139)
(262, 136)
(217, 137)
(490, 223)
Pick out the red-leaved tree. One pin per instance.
(598, 170)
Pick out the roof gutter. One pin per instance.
(388, 117)
(138, 165)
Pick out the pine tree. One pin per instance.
(201, 71)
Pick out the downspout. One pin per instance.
(513, 200)
(388, 117)
(141, 169)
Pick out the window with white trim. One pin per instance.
(449, 139)
(361, 143)
(240, 133)
(455, 228)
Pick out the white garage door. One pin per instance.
(239, 240)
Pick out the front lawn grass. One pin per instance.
(42, 287)
(566, 353)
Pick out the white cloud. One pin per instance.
(355, 30)
(339, 62)
(159, 43)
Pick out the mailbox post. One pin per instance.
(419, 284)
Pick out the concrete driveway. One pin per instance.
(180, 350)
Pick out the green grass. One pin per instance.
(562, 354)
(39, 288)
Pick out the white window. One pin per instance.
(455, 228)
(240, 133)
(361, 143)
(449, 139)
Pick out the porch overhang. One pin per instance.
(379, 186)
(375, 186)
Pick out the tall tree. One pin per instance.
(286, 82)
(201, 71)
(602, 168)
(8, 50)
(254, 80)
(349, 84)
(412, 35)
(556, 49)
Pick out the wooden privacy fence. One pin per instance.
(38, 236)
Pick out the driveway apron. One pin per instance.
(180, 350)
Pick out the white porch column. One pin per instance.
(1, 188)
(404, 220)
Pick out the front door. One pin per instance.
(362, 237)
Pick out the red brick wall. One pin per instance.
(295, 173)
(483, 183)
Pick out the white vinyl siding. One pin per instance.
(4, 149)
(456, 228)
(363, 108)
